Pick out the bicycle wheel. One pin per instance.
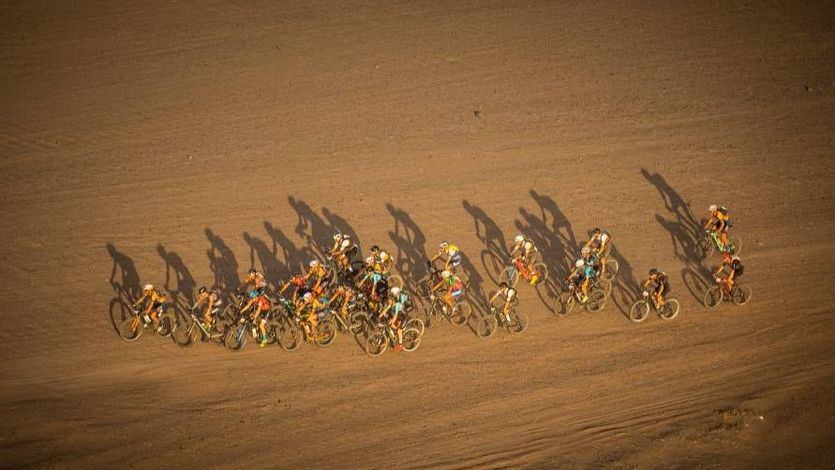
(411, 339)
(669, 310)
(326, 334)
(460, 313)
(417, 324)
(235, 338)
(509, 275)
(565, 303)
(287, 334)
(740, 295)
(358, 323)
(166, 325)
(130, 329)
(518, 322)
(611, 270)
(597, 300)
(542, 273)
(182, 334)
(639, 311)
(713, 296)
(376, 342)
(486, 326)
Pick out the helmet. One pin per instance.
(384, 256)
(375, 248)
(604, 237)
(586, 250)
(653, 272)
(337, 236)
(579, 263)
(307, 296)
(201, 290)
(395, 291)
(519, 238)
(252, 271)
(313, 263)
(444, 245)
(148, 287)
(502, 284)
(713, 208)
(445, 273)
(596, 230)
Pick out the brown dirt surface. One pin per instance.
(183, 142)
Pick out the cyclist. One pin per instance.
(256, 281)
(508, 293)
(396, 305)
(524, 248)
(157, 303)
(454, 289)
(717, 225)
(300, 287)
(452, 256)
(260, 306)
(659, 284)
(342, 251)
(211, 297)
(731, 269)
(317, 272)
(599, 244)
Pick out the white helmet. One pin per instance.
(337, 236)
(445, 273)
(712, 208)
(444, 245)
(148, 287)
(313, 263)
(604, 237)
(586, 250)
(519, 238)
(307, 296)
(579, 263)
(395, 291)
(384, 256)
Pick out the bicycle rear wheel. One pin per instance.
(611, 270)
(669, 310)
(564, 303)
(740, 295)
(287, 334)
(486, 326)
(639, 311)
(411, 339)
(597, 300)
(326, 334)
(509, 275)
(166, 325)
(541, 271)
(235, 338)
(518, 322)
(460, 313)
(713, 296)
(130, 329)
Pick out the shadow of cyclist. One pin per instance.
(222, 262)
(125, 283)
(311, 228)
(685, 234)
(495, 255)
(625, 287)
(271, 267)
(408, 238)
(178, 282)
(284, 249)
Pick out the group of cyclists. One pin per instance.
(330, 286)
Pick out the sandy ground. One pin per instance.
(181, 144)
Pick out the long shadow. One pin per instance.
(271, 267)
(178, 282)
(626, 287)
(554, 236)
(124, 279)
(284, 249)
(222, 262)
(685, 233)
(410, 257)
(312, 228)
(495, 255)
